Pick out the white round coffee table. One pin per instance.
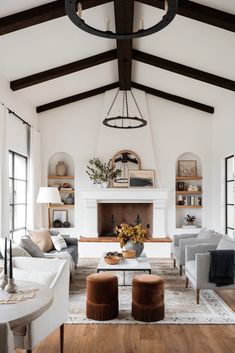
(25, 311)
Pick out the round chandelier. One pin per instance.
(73, 9)
(124, 121)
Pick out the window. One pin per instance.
(18, 193)
(229, 196)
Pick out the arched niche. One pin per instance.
(189, 156)
(61, 156)
(189, 190)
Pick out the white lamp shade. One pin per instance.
(48, 195)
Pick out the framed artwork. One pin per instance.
(141, 178)
(61, 215)
(126, 161)
(187, 168)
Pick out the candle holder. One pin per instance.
(11, 287)
(4, 281)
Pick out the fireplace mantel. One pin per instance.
(89, 199)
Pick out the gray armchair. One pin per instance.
(180, 241)
(197, 266)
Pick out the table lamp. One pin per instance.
(48, 195)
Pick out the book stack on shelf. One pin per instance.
(192, 200)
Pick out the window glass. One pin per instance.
(230, 216)
(230, 192)
(229, 196)
(17, 193)
(230, 168)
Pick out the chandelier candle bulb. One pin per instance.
(80, 10)
(141, 22)
(108, 24)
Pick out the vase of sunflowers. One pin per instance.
(132, 237)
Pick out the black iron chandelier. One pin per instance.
(124, 121)
(73, 9)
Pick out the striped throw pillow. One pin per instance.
(58, 242)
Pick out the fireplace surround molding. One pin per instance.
(90, 198)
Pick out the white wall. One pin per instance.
(77, 129)
(223, 146)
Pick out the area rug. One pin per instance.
(180, 302)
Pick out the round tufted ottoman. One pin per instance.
(102, 296)
(148, 298)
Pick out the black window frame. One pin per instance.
(227, 181)
(13, 204)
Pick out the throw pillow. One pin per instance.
(42, 238)
(58, 242)
(16, 249)
(205, 233)
(31, 247)
(43, 277)
(226, 243)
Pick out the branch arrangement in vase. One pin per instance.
(100, 172)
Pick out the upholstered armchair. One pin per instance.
(180, 241)
(197, 265)
(55, 273)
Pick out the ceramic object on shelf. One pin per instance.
(69, 200)
(61, 168)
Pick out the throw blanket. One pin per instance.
(222, 267)
(65, 256)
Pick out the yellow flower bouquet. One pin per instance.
(126, 232)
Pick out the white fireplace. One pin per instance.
(90, 198)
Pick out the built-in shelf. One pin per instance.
(188, 206)
(60, 177)
(188, 192)
(62, 206)
(68, 191)
(188, 178)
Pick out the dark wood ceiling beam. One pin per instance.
(75, 98)
(40, 14)
(183, 70)
(124, 13)
(63, 70)
(173, 98)
(200, 13)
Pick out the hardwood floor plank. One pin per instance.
(142, 339)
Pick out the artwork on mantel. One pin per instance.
(126, 161)
(141, 178)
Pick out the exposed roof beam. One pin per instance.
(124, 12)
(63, 70)
(40, 14)
(173, 98)
(76, 97)
(183, 70)
(200, 13)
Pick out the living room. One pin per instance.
(60, 88)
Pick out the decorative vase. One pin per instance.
(60, 168)
(69, 200)
(135, 246)
(105, 184)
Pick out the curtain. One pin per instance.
(4, 174)
(34, 210)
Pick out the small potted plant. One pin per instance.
(189, 221)
(102, 173)
(131, 237)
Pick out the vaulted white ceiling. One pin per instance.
(58, 42)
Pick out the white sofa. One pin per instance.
(54, 273)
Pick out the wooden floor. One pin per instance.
(142, 339)
(145, 338)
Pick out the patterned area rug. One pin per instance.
(180, 302)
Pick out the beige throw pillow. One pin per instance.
(42, 238)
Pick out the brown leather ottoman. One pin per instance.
(102, 296)
(148, 298)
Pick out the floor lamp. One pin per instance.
(48, 195)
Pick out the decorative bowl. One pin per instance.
(129, 254)
(112, 259)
